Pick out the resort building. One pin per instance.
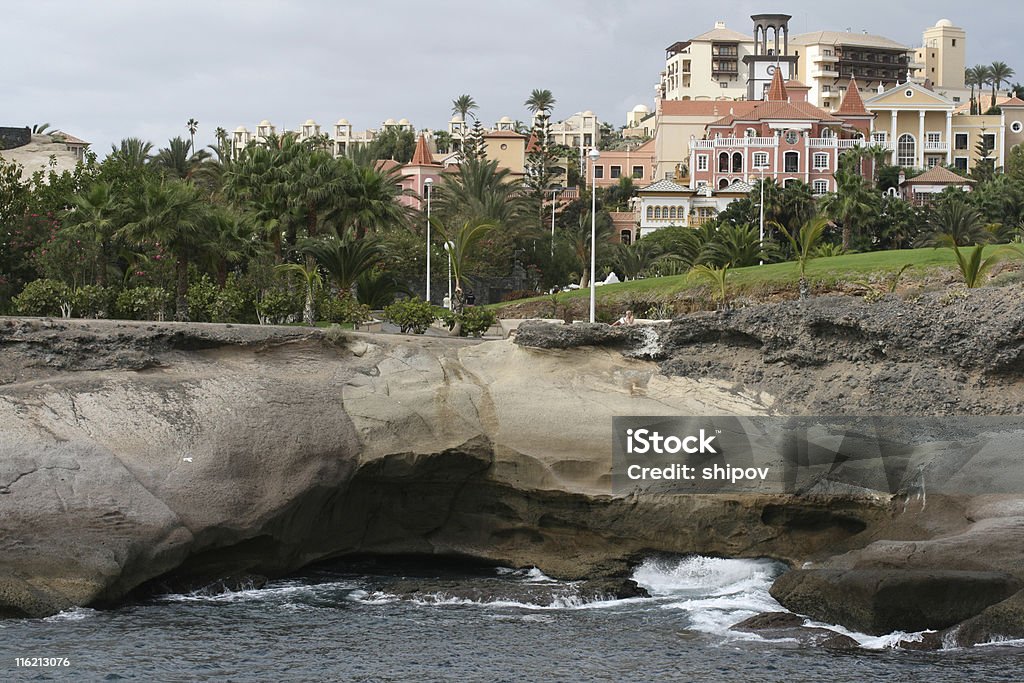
(941, 59)
(55, 151)
(782, 138)
(666, 203)
(636, 162)
(707, 66)
(924, 188)
(828, 60)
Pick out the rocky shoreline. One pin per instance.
(139, 453)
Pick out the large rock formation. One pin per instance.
(134, 453)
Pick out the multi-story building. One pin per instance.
(780, 138)
(922, 129)
(827, 60)
(666, 203)
(342, 138)
(941, 59)
(635, 161)
(707, 67)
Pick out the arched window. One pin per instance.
(827, 133)
(737, 162)
(820, 186)
(906, 150)
(791, 162)
(672, 212)
(751, 133)
(723, 162)
(657, 213)
(626, 237)
(723, 183)
(650, 212)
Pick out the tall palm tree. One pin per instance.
(483, 193)
(850, 205)
(577, 238)
(369, 202)
(977, 75)
(804, 241)
(540, 102)
(463, 105)
(954, 220)
(344, 259)
(998, 73)
(40, 128)
(173, 213)
(461, 242)
(192, 126)
(312, 282)
(92, 216)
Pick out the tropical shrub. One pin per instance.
(475, 320)
(278, 306)
(343, 310)
(143, 303)
(92, 301)
(42, 297)
(209, 303)
(411, 315)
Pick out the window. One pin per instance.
(657, 213)
(826, 88)
(723, 162)
(827, 133)
(906, 150)
(820, 160)
(956, 98)
(1016, 126)
(737, 162)
(791, 162)
(988, 140)
(960, 163)
(723, 183)
(650, 212)
(820, 186)
(878, 138)
(616, 172)
(599, 171)
(792, 137)
(933, 161)
(724, 84)
(933, 138)
(750, 133)
(638, 171)
(760, 159)
(702, 162)
(954, 42)
(588, 140)
(960, 140)
(626, 237)
(827, 52)
(908, 93)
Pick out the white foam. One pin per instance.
(73, 614)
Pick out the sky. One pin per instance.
(104, 70)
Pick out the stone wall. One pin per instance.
(14, 137)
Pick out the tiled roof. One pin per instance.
(781, 111)
(422, 155)
(739, 186)
(777, 90)
(844, 38)
(938, 175)
(1013, 102)
(503, 134)
(723, 34)
(664, 186)
(853, 103)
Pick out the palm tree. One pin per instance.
(173, 213)
(40, 128)
(312, 281)
(971, 266)
(577, 238)
(998, 73)
(953, 219)
(804, 241)
(92, 216)
(715, 276)
(849, 205)
(540, 102)
(344, 259)
(192, 126)
(734, 245)
(177, 159)
(369, 202)
(133, 152)
(977, 75)
(463, 105)
(483, 193)
(633, 259)
(460, 247)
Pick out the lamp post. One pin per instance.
(761, 231)
(594, 156)
(427, 184)
(448, 246)
(555, 191)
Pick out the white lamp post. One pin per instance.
(761, 231)
(427, 184)
(448, 246)
(594, 156)
(555, 191)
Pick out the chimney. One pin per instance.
(719, 24)
(903, 177)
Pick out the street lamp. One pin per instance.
(427, 184)
(761, 231)
(555, 191)
(594, 156)
(448, 246)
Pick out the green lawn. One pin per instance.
(827, 271)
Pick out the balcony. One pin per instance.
(825, 72)
(931, 146)
(825, 58)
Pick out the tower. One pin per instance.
(771, 53)
(943, 52)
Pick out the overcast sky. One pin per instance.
(108, 69)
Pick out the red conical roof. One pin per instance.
(422, 155)
(852, 103)
(777, 91)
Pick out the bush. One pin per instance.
(346, 310)
(412, 315)
(475, 320)
(208, 303)
(144, 303)
(42, 297)
(92, 301)
(278, 306)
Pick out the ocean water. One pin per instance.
(417, 622)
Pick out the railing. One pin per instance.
(816, 143)
(936, 146)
